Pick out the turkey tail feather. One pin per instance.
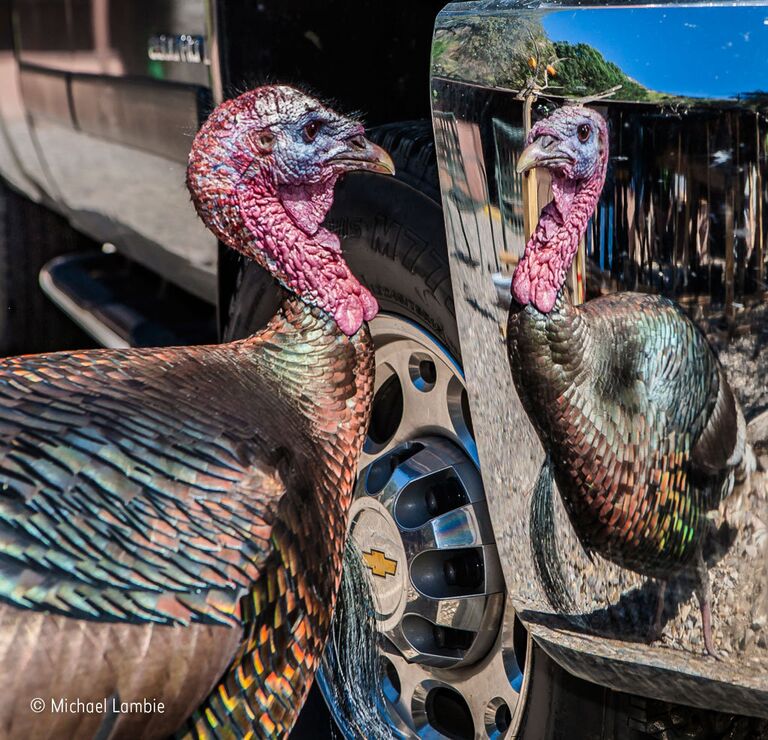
(546, 559)
(350, 671)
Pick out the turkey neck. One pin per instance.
(311, 370)
(320, 377)
(548, 354)
(319, 385)
(549, 351)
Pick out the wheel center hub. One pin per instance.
(383, 554)
(421, 525)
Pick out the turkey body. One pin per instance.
(641, 426)
(172, 524)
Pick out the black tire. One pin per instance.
(30, 236)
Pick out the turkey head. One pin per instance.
(262, 171)
(572, 144)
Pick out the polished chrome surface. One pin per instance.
(681, 214)
(421, 524)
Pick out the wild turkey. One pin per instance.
(642, 430)
(172, 521)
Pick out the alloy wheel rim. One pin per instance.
(421, 524)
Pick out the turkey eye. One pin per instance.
(311, 129)
(265, 140)
(583, 132)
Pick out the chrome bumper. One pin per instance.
(488, 63)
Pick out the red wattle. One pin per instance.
(349, 315)
(521, 285)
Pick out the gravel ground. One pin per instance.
(745, 358)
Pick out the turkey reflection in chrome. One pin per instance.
(605, 214)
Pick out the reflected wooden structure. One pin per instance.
(682, 214)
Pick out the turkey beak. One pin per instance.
(543, 151)
(361, 154)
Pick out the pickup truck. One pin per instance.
(99, 245)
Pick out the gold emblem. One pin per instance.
(379, 564)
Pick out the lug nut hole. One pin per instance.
(423, 371)
(450, 638)
(465, 570)
(498, 717)
(465, 415)
(448, 574)
(448, 713)
(428, 371)
(386, 413)
(458, 410)
(390, 680)
(435, 641)
(380, 472)
(429, 497)
(503, 718)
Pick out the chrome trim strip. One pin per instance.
(105, 336)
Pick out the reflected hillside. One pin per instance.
(519, 54)
(489, 50)
(584, 71)
(514, 55)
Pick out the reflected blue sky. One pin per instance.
(698, 52)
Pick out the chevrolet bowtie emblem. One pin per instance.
(379, 564)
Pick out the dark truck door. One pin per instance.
(114, 92)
